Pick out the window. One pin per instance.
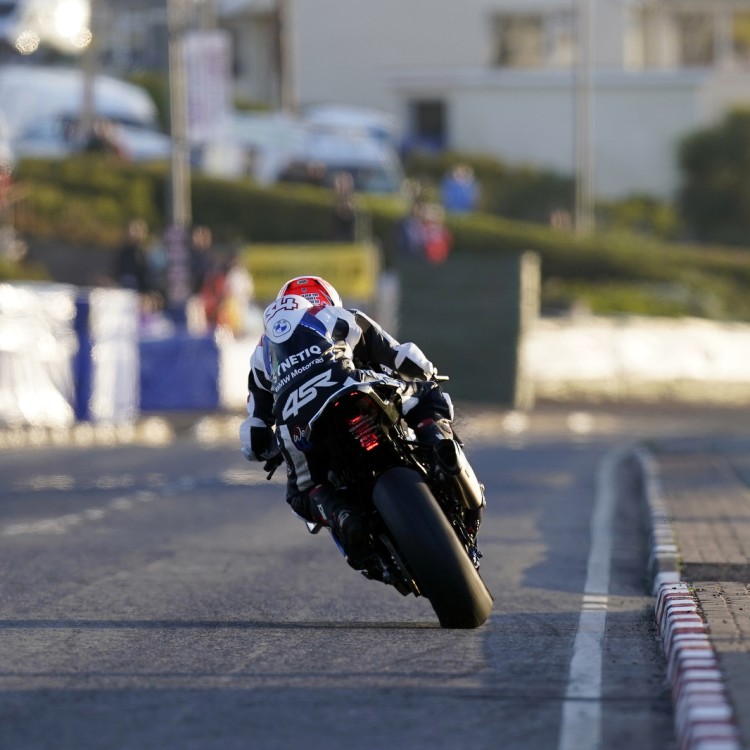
(519, 41)
(696, 39)
(428, 123)
(534, 41)
(741, 36)
(560, 39)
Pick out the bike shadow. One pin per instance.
(175, 624)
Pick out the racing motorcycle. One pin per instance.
(421, 503)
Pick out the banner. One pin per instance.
(352, 269)
(207, 72)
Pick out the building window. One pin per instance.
(427, 118)
(741, 36)
(560, 39)
(519, 41)
(696, 37)
(534, 41)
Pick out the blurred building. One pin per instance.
(482, 76)
(498, 76)
(134, 36)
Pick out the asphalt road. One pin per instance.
(166, 598)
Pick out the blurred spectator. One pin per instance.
(131, 265)
(213, 292)
(153, 322)
(102, 139)
(236, 305)
(156, 262)
(459, 190)
(308, 173)
(437, 238)
(6, 182)
(345, 208)
(422, 235)
(201, 249)
(410, 233)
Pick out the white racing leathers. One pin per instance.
(305, 356)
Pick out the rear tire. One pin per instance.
(431, 549)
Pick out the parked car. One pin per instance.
(7, 153)
(373, 163)
(44, 104)
(56, 137)
(348, 120)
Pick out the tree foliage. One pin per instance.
(714, 198)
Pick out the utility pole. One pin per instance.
(584, 117)
(177, 17)
(286, 62)
(176, 234)
(90, 68)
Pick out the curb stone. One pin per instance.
(704, 718)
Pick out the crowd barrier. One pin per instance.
(71, 355)
(77, 355)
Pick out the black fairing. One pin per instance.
(362, 436)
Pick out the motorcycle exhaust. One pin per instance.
(452, 460)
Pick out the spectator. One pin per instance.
(236, 305)
(437, 238)
(345, 208)
(213, 293)
(422, 235)
(201, 246)
(459, 190)
(410, 233)
(131, 265)
(102, 139)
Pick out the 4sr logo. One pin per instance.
(306, 393)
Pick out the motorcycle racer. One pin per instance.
(311, 347)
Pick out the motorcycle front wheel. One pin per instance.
(431, 549)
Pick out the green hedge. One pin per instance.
(514, 192)
(89, 200)
(11, 271)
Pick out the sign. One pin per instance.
(178, 265)
(352, 269)
(207, 72)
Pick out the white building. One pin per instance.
(499, 76)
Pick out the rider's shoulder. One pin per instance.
(333, 313)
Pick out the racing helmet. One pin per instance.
(314, 289)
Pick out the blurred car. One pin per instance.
(256, 144)
(46, 139)
(7, 152)
(347, 119)
(55, 138)
(42, 104)
(373, 163)
(10, 18)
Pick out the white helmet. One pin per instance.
(312, 288)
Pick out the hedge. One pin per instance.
(88, 200)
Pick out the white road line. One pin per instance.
(582, 708)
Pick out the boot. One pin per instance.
(439, 434)
(432, 431)
(329, 508)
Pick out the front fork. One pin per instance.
(452, 472)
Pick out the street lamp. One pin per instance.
(177, 23)
(180, 214)
(584, 124)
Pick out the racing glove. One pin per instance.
(258, 440)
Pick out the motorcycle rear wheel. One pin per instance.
(431, 549)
